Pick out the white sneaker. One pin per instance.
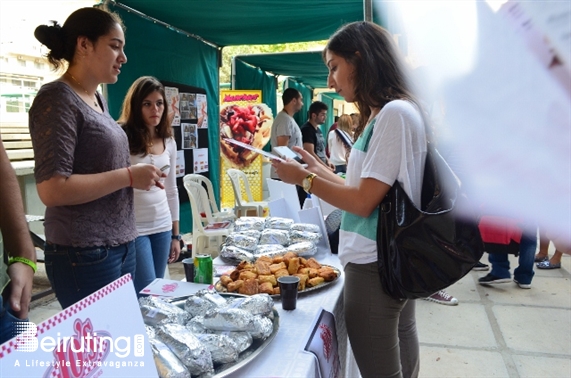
(522, 286)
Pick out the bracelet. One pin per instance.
(23, 260)
(130, 177)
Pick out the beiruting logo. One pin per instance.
(83, 353)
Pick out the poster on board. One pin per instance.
(243, 117)
(200, 160)
(202, 109)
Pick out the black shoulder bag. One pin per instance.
(422, 251)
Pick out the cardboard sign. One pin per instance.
(173, 289)
(101, 335)
(322, 342)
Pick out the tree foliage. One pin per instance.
(230, 51)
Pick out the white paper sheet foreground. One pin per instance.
(507, 121)
(322, 342)
(101, 335)
(171, 288)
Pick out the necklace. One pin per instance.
(85, 90)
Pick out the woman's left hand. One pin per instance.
(175, 251)
(290, 171)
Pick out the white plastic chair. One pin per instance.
(201, 234)
(217, 215)
(237, 178)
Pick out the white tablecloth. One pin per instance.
(284, 356)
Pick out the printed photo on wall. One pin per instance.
(172, 105)
(202, 110)
(180, 165)
(200, 160)
(189, 135)
(187, 105)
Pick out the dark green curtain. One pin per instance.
(307, 94)
(152, 49)
(250, 77)
(330, 116)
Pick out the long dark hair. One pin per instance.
(91, 23)
(131, 118)
(379, 75)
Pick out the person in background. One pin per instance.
(542, 258)
(356, 119)
(340, 142)
(286, 132)
(82, 167)
(145, 121)
(390, 145)
(313, 141)
(331, 128)
(17, 276)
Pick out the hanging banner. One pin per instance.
(245, 118)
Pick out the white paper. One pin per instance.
(171, 94)
(200, 157)
(180, 164)
(171, 288)
(251, 148)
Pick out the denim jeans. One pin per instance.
(7, 322)
(75, 273)
(524, 272)
(152, 256)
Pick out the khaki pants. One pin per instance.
(382, 330)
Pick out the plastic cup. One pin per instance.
(188, 265)
(288, 291)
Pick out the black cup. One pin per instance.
(288, 291)
(188, 264)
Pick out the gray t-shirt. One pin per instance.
(285, 125)
(69, 137)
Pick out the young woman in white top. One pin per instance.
(390, 145)
(340, 142)
(144, 119)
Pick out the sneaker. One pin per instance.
(481, 266)
(491, 280)
(522, 286)
(442, 297)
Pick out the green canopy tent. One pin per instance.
(181, 41)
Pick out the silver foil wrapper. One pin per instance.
(241, 241)
(271, 236)
(307, 227)
(265, 249)
(262, 327)
(156, 311)
(303, 249)
(299, 236)
(212, 296)
(250, 223)
(150, 331)
(196, 305)
(222, 348)
(243, 340)
(236, 254)
(196, 325)
(186, 346)
(258, 304)
(228, 319)
(278, 223)
(251, 233)
(168, 365)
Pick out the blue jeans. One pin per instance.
(524, 272)
(152, 257)
(75, 273)
(7, 322)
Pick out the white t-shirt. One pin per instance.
(337, 150)
(285, 125)
(392, 147)
(157, 208)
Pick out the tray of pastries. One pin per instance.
(250, 278)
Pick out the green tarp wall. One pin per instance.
(170, 56)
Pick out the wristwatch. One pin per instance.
(176, 237)
(308, 182)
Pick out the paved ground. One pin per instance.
(500, 331)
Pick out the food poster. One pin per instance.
(189, 136)
(171, 94)
(200, 160)
(322, 342)
(180, 164)
(202, 109)
(245, 118)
